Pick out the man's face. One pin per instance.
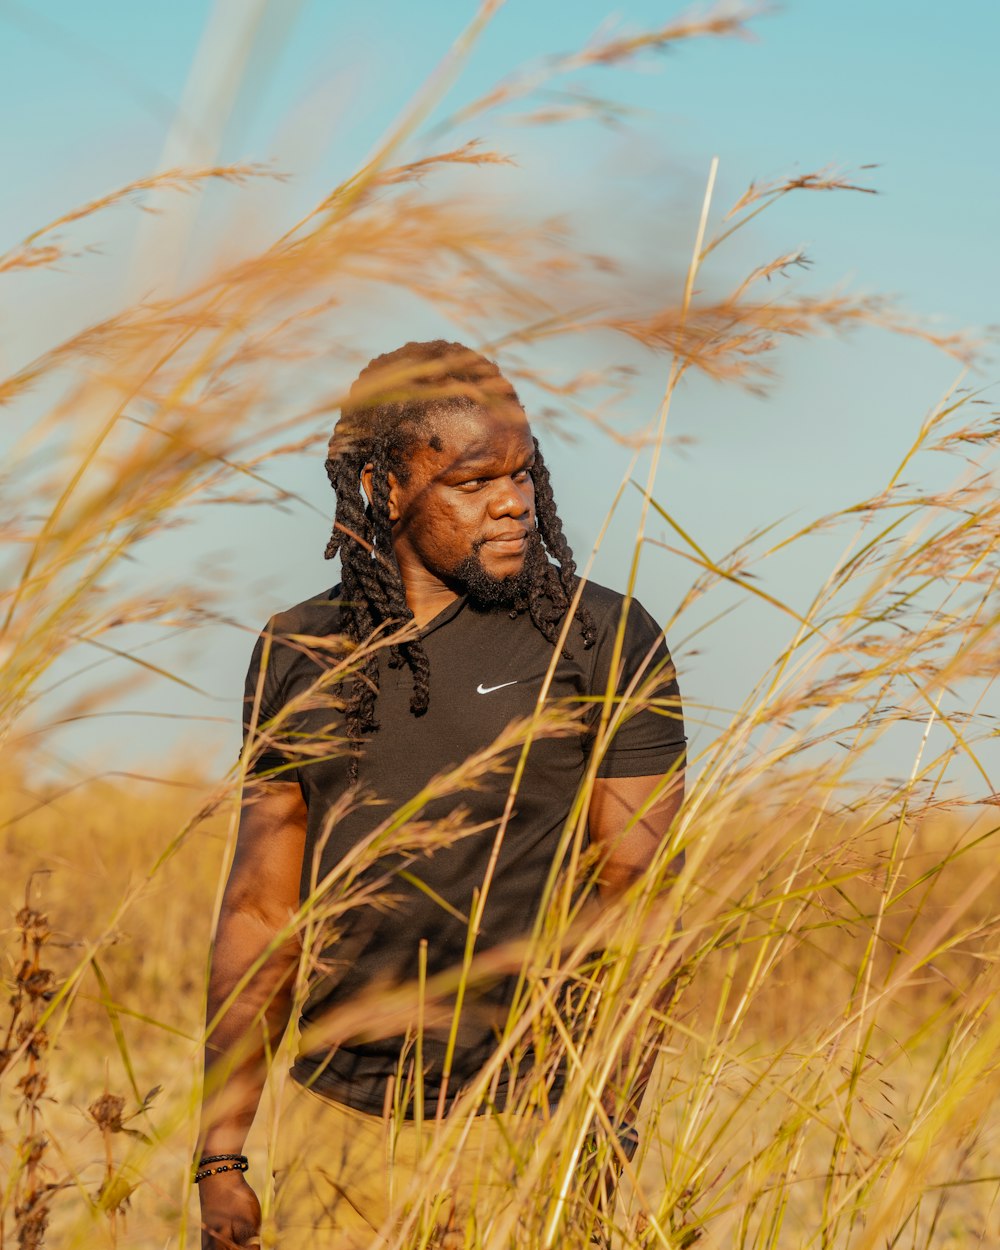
(465, 516)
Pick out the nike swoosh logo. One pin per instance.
(481, 689)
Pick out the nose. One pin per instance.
(512, 499)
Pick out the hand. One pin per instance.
(230, 1212)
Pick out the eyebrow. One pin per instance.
(474, 463)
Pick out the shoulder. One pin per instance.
(601, 600)
(286, 638)
(605, 607)
(643, 646)
(293, 643)
(317, 616)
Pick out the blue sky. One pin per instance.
(92, 92)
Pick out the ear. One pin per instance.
(366, 480)
(366, 484)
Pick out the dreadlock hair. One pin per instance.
(385, 417)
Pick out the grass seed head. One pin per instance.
(106, 1112)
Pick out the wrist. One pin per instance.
(628, 1138)
(222, 1140)
(221, 1164)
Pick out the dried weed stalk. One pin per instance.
(29, 1188)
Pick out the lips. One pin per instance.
(509, 540)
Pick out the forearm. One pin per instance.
(639, 1047)
(636, 1057)
(249, 1002)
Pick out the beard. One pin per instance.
(486, 591)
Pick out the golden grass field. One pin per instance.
(828, 1075)
(786, 1107)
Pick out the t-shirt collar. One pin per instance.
(444, 616)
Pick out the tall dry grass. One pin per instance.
(827, 1072)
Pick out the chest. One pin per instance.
(486, 678)
(484, 682)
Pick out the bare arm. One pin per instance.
(628, 849)
(261, 894)
(627, 852)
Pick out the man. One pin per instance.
(458, 661)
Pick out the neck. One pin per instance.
(426, 595)
(425, 609)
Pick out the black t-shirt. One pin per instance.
(486, 670)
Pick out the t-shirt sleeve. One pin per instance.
(648, 738)
(262, 701)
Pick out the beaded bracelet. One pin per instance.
(230, 1163)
